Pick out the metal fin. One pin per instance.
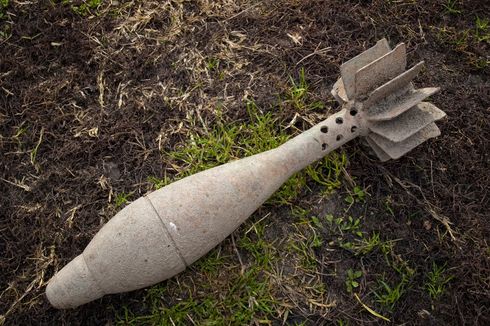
(349, 69)
(407, 123)
(380, 71)
(394, 85)
(396, 150)
(338, 91)
(393, 107)
(383, 157)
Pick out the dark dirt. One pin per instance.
(62, 75)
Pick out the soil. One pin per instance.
(89, 105)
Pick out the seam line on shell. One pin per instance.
(168, 232)
(92, 276)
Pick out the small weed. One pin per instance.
(387, 295)
(19, 135)
(211, 263)
(437, 280)
(358, 195)
(328, 171)
(213, 64)
(36, 148)
(121, 199)
(316, 222)
(388, 205)
(460, 42)
(349, 224)
(300, 212)
(307, 239)
(255, 244)
(298, 93)
(304, 248)
(450, 7)
(87, 7)
(351, 282)
(159, 183)
(365, 246)
(315, 240)
(3, 8)
(482, 32)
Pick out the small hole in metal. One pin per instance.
(353, 129)
(339, 120)
(353, 112)
(324, 146)
(339, 137)
(324, 129)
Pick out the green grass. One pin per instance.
(388, 295)
(482, 29)
(86, 8)
(121, 199)
(437, 280)
(247, 296)
(367, 245)
(36, 149)
(347, 233)
(254, 243)
(297, 95)
(450, 7)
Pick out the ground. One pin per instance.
(103, 101)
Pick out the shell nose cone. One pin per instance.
(73, 286)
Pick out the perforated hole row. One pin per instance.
(339, 121)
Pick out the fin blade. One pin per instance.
(380, 71)
(338, 92)
(391, 108)
(349, 69)
(408, 123)
(396, 150)
(383, 157)
(394, 85)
